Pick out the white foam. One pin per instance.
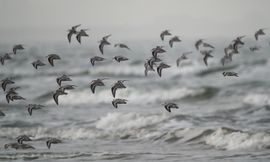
(233, 140)
(257, 99)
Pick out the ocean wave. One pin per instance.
(257, 99)
(229, 139)
(152, 127)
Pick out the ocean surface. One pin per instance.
(219, 119)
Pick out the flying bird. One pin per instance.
(37, 63)
(32, 107)
(162, 66)
(120, 58)
(96, 83)
(96, 59)
(174, 39)
(53, 57)
(230, 74)
(164, 33)
(121, 45)
(169, 106)
(118, 85)
(183, 57)
(17, 47)
(72, 31)
(80, 34)
(118, 101)
(258, 33)
(62, 78)
(52, 141)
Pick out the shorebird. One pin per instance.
(226, 59)
(198, 43)
(32, 107)
(207, 45)
(18, 146)
(23, 138)
(4, 57)
(17, 47)
(157, 50)
(254, 48)
(121, 45)
(206, 57)
(57, 93)
(120, 58)
(164, 33)
(174, 39)
(11, 92)
(96, 59)
(170, 105)
(72, 31)
(95, 83)
(80, 34)
(118, 85)
(5, 82)
(183, 57)
(52, 141)
(62, 78)
(37, 63)
(66, 87)
(238, 41)
(117, 101)
(2, 114)
(258, 33)
(152, 61)
(53, 57)
(230, 74)
(11, 96)
(162, 66)
(103, 42)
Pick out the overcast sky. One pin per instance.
(131, 19)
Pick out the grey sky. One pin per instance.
(131, 19)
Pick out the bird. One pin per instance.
(103, 42)
(2, 114)
(205, 58)
(157, 50)
(95, 83)
(238, 40)
(17, 47)
(162, 66)
(254, 48)
(117, 101)
(57, 93)
(152, 61)
(164, 33)
(66, 87)
(121, 45)
(52, 141)
(10, 93)
(170, 105)
(13, 96)
(120, 58)
(18, 146)
(96, 59)
(118, 85)
(198, 43)
(230, 74)
(147, 68)
(31, 107)
(174, 39)
(72, 31)
(183, 57)
(52, 57)
(62, 78)
(23, 138)
(258, 33)
(226, 59)
(38, 63)
(5, 82)
(207, 45)
(80, 34)
(4, 57)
